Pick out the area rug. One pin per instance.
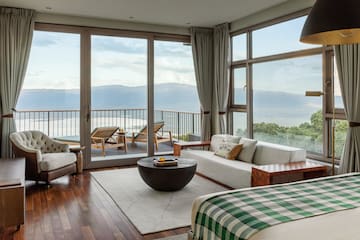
(149, 210)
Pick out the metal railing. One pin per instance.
(59, 123)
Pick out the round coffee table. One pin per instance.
(167, 178)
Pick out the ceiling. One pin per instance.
(205, 13)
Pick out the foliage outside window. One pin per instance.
(282, 112)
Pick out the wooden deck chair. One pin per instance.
(102, 137)
(141, 136)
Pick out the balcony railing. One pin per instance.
(59, 123)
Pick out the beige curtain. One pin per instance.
(221, 77)
(348, 62)
(16, 30)
(202, 48)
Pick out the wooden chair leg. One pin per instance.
(103, 147)
(171, 140)
(133, 138)
(125, 144)
(156, 143)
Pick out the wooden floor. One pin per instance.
(75, 207)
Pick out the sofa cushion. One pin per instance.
(235, 174)
(217, 139)
(52, 161)
(248, 150)
(229, 150)
(269, 153)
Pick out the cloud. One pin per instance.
(174, 65)
(43, 42)
(172, 49)
(116, 44)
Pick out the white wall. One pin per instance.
(282, 9)
(105, 23)
(288, 7)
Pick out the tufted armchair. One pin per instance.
(46, 159)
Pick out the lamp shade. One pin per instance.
(333, 22)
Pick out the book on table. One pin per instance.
(165, 162)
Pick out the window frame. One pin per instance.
(85, 79)
(327, 82)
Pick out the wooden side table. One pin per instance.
(121, 140)
(284, 173)
(12, 192)
(79, 157)
(182, 145)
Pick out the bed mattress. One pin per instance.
(335, 224)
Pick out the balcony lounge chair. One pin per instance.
(46, 159)
(103, 137)
(141, 136)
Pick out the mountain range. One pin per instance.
(283, 108)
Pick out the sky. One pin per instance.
(55, 61)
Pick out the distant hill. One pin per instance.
(284, 108)
(172, 96)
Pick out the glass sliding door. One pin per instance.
(50, 98)
(118, 97)
(176, 102)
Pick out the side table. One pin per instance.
(284, 173)
(12, 192)
(182, 145)
(121, 140)
(79, 157)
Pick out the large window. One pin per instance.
(239, 124)
(50, 98)
(96, 88)
(271, 71)
(176, 100)
(279, 38)
(119, 89)
(239, 50)
(239, 90)
(282, 113)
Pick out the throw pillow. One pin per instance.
(218, 139)
(249, 147)
(229, 150)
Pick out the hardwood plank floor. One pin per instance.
(75, 207)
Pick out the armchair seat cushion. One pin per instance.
(52, 161)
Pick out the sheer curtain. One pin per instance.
(16, 30)
(221, 77)
(202, 48)
(348, 62)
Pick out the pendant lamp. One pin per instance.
(333, 22)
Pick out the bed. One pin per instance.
(325, 208)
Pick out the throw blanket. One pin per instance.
(239, 215)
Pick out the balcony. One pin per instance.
(66, 123)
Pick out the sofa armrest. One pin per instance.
(33, 158)
(183, 145)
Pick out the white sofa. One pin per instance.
(236, 173)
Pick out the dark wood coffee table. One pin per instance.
(167, 178)
(284, 173)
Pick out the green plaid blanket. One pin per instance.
(241, 214)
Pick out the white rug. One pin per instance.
(149, 210)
